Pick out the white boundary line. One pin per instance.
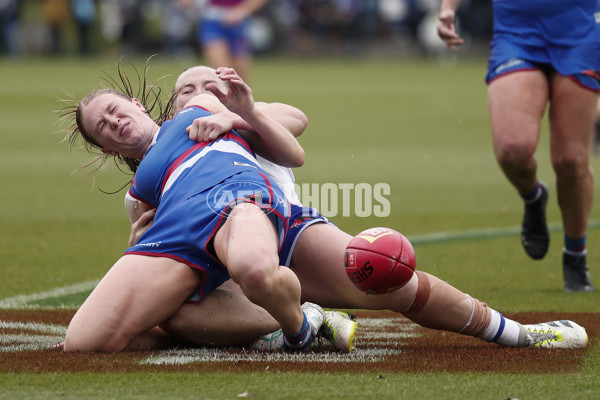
(22, 301)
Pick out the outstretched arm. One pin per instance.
(270, 134)
(447, 26)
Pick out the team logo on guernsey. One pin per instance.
(221, 198)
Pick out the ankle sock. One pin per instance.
(575, 247)
(300, 340)
(533, 195)
(502, 330)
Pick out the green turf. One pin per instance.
(419, 127)
(274, 385)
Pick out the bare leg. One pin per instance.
(242, 66)
(224, 318)
(247, 245)
(217, 54)
(572, 114)
(137, 294)
(517, 103)
(318, 261)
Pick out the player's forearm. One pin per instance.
(272, 140)
(291, 118)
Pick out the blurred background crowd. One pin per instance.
(301, 27)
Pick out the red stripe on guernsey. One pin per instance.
(268, 182)
(138, 198)
(180, 160)
(197, 146)
(283, 218)
(239, 140)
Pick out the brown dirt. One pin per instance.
(424, 350)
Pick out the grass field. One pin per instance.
(419, 127)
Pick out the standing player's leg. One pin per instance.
(517, 102)
(572, 113)
(596, 140)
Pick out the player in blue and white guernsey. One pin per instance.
(216, 213)
(544, 52)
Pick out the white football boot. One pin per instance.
(315, 315)
(270, 342)
(339, 329)
(556, 335)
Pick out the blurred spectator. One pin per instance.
(9, 26)
(84, 12)
(231, 32)
(111, 23)
(55, 13)
(179, 19)
(132, 28)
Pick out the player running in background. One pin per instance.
(223, 33)
(544, 52)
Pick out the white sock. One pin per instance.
(502, 330)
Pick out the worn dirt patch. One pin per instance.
(386, 342)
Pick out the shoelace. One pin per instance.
(540, 336)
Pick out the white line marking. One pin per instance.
(368, 328)
(22, 301)
(205, 355)
(34, 326)
(16, 342)
(478, 234)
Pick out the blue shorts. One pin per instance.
(300, 219)
(236, 36)
(184, 230)
(499, 66)
(558, 35)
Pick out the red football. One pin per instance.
(379, 260)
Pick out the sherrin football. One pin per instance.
(379, 260)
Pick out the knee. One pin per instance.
(571, 164)
(254, 270)
(513, 152)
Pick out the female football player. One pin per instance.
(544, 52)
(317, 258)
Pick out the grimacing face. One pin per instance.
(193, 82)
(119, 125)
